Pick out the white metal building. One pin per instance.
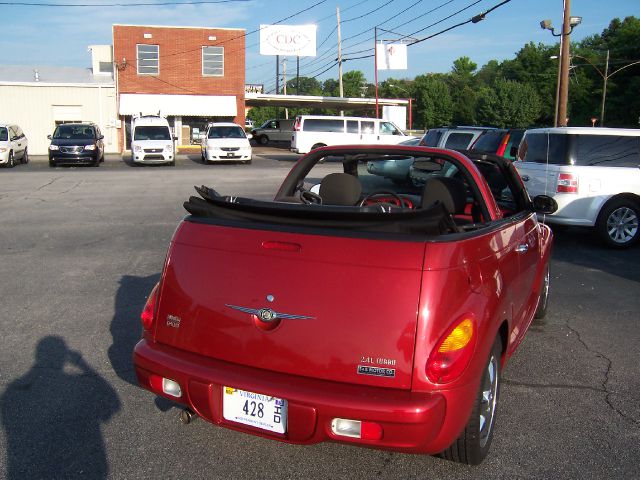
(39, 98)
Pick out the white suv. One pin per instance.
(13, 145)
(224, 142)
(592, 173)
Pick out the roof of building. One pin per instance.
(49, 75)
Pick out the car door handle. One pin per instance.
(525, 178)
(522, 248)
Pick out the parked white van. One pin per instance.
(151, 140)
(592, 173)
(13, 145)
(315, 131)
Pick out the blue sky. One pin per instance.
(60, 35)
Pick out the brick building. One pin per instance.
(191, 75)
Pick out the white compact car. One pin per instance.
(226, 142)
(151, 140)
(592, 173)
(13, 145)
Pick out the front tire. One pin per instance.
(318, 145)
(25, 157)
(472, 446)
(263, 139)
(617, 224)
(12, 161)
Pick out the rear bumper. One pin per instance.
(411, 421)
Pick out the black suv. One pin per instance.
(76, 143)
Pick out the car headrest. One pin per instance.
(340, 189)
(451, 192)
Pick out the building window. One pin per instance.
(212, 61)
(148, 59)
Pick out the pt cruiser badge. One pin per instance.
(268, 315)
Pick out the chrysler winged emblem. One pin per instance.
(268, 315)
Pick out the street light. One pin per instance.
(410, 102)
(562, 92)
(605, 76)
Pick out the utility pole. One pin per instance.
(340, 59)
(277, 80)
(604, 89)
(284, 79)
(564, 66)
(375, 66)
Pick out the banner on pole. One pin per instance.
(288, 40)
(392, 56)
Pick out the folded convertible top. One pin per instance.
(434, 220)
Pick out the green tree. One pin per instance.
(308, 86)
(434, 105)
(508, 104)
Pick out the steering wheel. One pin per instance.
(399, 201)
(310, 198)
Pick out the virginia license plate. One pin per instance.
(255, 409)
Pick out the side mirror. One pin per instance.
(249, 136)
(49, 137)
(545, 204)
(513, 152)
(175, 138)
(100, 137)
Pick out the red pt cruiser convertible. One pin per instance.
(363, 308)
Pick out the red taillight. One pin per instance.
(567, 183)
(149, 310)
(503, 145)
(453, 352)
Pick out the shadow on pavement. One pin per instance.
(52, 416)
(126, 329)
(580, 246)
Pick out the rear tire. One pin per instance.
(25, 157)
(617, 223)
(543, 300)
(318, 145)
(472, 446)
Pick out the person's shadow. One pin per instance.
(52, 416)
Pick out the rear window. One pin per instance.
(607, 151)
(74, 131)
(489, 142)
(459, 141)
(4, 135)
(323, 125)
(432, 138)
(152, 132)
(226, 132)
(545, 148)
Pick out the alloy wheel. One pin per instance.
(622, 225)
(489, 400)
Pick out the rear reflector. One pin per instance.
(165, 385)
(356, 429)
(567, 183)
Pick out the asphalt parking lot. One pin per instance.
(81, 249)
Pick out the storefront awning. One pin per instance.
(180, 105)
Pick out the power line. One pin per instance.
(141, 4)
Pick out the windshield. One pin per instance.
(151, 132)
(85, 132)
(226, 132)
(4, 135)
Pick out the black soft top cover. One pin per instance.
(431, 221)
